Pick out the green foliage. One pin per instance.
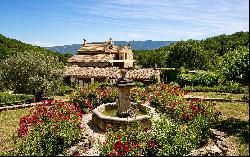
(234, 65)
(32, 73)
(64, 89)
(223, 43)
(169, 75)
(6, 97)
(189, 54)
(229, 88)
(48, 129)
(165, 95)
(150, 58)
(164, 138)
(138, 94)
(10, 47)
(94, 95)
(225, 53)
(200, 78)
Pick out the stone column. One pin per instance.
(92, 80)
(124, 103)
(80, 83)
(72, 79)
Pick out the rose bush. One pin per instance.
(49, 128)
(164, 96)
(94, 95)
(182, 126)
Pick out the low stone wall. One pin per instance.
(190, 97)
(14, 107)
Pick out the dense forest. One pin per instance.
(10, 47)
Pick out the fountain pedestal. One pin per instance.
(124, 103)
(123, 118)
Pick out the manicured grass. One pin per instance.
(238, 110)
(9, 124)
(235, 122)
(218, 95)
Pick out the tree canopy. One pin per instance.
(31, 72)
(192, 54)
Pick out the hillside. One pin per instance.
(193, 54)
(136, 45)
(10, 47)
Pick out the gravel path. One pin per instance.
(94, 134)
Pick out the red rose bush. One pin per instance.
(49, 128)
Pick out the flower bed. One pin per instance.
(49, 128)
(181, 128)
(94, 95)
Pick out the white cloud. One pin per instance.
(42, 44)
(215, 14)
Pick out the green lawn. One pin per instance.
(218, 95)
(235, 122)
(9, 124)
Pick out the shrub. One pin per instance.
(124, 142)
(6, 97)
(48, 129)
(169, 75)
(165, 95)
(202, 78)
(32, 73)
(138, 94)
(65, 90)
(234, 65)
(233, 88)
(95, 95)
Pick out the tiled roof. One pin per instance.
(105, 47)
(138, 74)
(98, 48)
(91, 72)
(110, 72)
(91, 58)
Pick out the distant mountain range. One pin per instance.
(136, 45)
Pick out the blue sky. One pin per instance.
(61, 22)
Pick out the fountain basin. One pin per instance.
(104, 122)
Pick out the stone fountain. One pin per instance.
(125, 113)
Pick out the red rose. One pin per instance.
(193, 107)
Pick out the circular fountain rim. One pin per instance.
(99, 113)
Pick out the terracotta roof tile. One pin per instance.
(91, 58)
(110, 72)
